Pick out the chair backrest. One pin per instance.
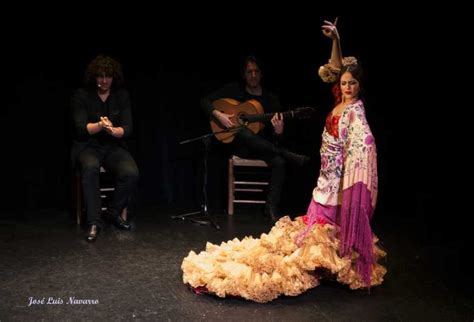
(249, 185)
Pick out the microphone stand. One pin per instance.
(204, 218)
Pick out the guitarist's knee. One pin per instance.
(244, 134)
(278, 162)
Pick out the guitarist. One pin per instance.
(264, 145)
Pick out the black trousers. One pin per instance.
(121, 164)
(252, 146)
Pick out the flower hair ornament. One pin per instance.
(329, 73)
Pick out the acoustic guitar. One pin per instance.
(250, 114)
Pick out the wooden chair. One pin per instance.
(248, 185)
(106, 189)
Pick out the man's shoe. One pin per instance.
(122, 224)
(93, 233)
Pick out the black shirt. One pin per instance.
(88, 107)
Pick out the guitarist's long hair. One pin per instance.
(250, 59)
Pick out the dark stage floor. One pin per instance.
(137, 275)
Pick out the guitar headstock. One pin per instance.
(303, 112)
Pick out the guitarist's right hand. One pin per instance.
(224, 119)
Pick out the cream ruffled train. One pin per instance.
(263, 269)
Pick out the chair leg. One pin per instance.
(78, 201)
(230, 199)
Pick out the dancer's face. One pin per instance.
(350, 87)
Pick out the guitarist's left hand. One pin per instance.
(278, 124)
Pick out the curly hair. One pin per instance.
(104, 65)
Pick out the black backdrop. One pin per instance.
(169, 67)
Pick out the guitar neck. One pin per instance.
(268, 116)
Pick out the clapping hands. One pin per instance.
(107, 125)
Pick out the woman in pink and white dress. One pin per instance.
(334, 239)
(346, 192)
